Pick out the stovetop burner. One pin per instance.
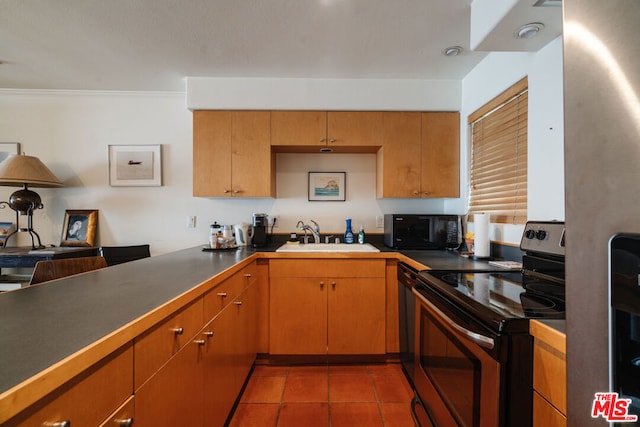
(509, 294)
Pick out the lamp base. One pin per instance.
(32, 234)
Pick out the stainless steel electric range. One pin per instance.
(473, 352)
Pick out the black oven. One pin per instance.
(624, 322)
(473, 353)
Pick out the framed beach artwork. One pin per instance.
(135, 165)
(327, 186)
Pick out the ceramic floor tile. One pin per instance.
(304, 414)
(348, 370)
(386, 369)
(263, 390)
(396, 414)
(270, 371)
(309, 370)
(255, 415)
(355, 414)
(392, 388)
(307, 388)
(351, 388)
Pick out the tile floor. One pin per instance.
(334, 395)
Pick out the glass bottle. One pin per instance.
(348, 233)
(361, 235)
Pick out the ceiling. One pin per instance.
(152, 45)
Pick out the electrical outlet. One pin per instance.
(191, 221)
(379, 221)
(274, 221)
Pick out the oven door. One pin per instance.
(457, 376)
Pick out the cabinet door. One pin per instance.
(212, 153)
(297, 316)
(252, 166)
(174, 395)
(399, 158)
(440, 155)
(354, 128)
(356, 316)
(87, 399)
(298, 128)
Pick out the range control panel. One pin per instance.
(544, 237)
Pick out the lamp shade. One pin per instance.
(18, 170)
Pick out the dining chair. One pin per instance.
(58, 268)
(120, 254)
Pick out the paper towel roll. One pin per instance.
(481, 242)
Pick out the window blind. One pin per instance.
(498, 176)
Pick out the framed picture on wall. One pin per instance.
(79, 228)
(327, 186)
(135, 165)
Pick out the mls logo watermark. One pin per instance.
(613, 409)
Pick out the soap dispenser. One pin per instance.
(361, 235)
(348, 233)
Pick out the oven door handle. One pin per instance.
(481, 340)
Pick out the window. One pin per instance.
(498, 177)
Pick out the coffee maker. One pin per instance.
(260, 224)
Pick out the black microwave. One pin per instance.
(415, 231)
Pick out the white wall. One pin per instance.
(71, 131)
(545, 134)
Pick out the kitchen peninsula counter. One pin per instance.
(50, 333)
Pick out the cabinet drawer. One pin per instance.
(327, 268)
(218, 298)
(122, 417)
(549, 374)
(88, 399)
(157, 345)
(545, 415)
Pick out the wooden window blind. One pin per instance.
(498, 176)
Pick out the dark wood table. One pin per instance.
(25, 257)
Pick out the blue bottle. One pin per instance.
(348, 233)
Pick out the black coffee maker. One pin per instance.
(260, 224)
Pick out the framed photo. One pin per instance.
(79, 228)
(327, 186)
(135, 165)
(7, 148)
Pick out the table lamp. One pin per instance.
(25, 171)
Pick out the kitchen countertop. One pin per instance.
(44, 325)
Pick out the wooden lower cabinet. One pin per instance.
(87, 400)
(200, 383)
(337, 314)
(549, 376)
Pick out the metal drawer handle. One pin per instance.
(208, 334)
(127, 422)
(222, 294)
(58, 424)
(177, 331)
(200, 342)
(481, 340)
(238, 303)
(247, 275)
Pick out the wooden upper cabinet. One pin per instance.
(354, 128)
(420, 155)
(316, 129)
(232, 154)
(440, 155)
(294, 128)
(398, 161)
(211, 153)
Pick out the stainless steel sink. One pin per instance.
(327, 247)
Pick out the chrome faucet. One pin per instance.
(315, 230)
